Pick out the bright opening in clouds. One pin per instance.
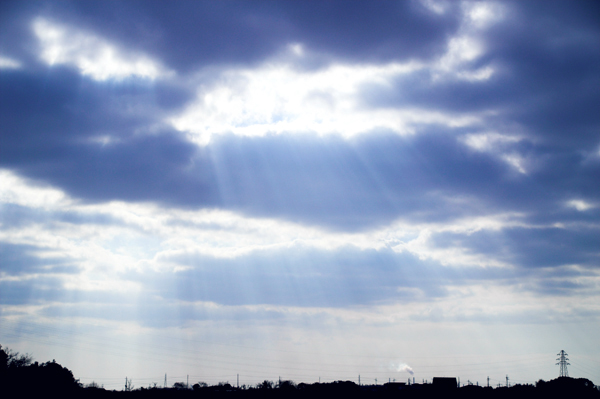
(277, 99)
(311, 190)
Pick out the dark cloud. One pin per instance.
(529, 247)
(19, 259)
(344, 277)
(16, 216)
(562, 287)
(375, 179)
(551, 56)
(187, 35)
(52, 129)
(32, 291)
(332, 182)
(546, 61)
(298, 277)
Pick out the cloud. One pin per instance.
(92, 55)
(9, 63)
(580, 205)
(27, 259)
(529, 246)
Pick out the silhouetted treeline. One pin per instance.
(565, 387)
(21, 377)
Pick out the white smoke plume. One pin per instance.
(402, 367)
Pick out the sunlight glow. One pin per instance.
(275, 99)
(92, 55)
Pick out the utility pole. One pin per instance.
(187, 384)
(165, 380)
(128, 385)
(488, 381)
(507, 380)
(359, 380)
(563, 362)
(238, 380)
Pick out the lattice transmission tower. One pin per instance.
(563, 362)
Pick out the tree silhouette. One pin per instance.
(19, 376)
(12, 359)
(180, 385)
(266, 384)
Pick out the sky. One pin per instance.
(304, 190)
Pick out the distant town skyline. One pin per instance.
(304, 190)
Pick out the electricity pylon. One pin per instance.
(563, 362)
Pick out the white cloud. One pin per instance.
(580, 205)
(437, 7)
(467, 46)
(18, 191)
(93, 55)
(461, 49)
(481, 15)
(499, 145)
(9, 63)
(488, 141)
(516, 161)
